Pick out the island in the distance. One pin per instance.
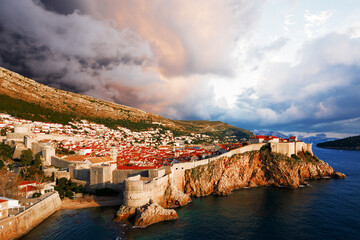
(349, 143)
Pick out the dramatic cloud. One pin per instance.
(315, 94)
(282, 65)
(153, 55)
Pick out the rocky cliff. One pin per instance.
(145, 215)
(252, 169)
(220, 177)
(154, 211)
(173, 197)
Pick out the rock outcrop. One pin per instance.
(145, 215)
(173, 197)
(339, 175)
(254, 169)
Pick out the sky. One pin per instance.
(284, 65)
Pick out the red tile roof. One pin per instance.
(27, 183)
(29, 188)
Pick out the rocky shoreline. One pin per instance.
(145, 215)
(247, 170)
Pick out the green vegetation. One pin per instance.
(265, 148)
(41, 106)
(37, 161)
(216, 129)
(36, 195)
(196, 172)
(307, 157)
(32, 111)
(26, 157)
(114, 123)
(64, 151)
(349, 143)
(32, 166)
(267, 155)
(5, 152)
(36, 112)
(66, 188)
(1, 164)
(3, 132)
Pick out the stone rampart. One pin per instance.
(291, 148)
(138, 192)
(20, 224)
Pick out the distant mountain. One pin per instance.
(318, 138)
(27, 99)
(270, 133)
(349, 143)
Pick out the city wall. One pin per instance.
(20, 224)
(138, 191)
(291, 148)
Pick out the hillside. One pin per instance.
(349, 143)
(25, 98)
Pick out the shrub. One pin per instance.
(69, 194)
(66, 188)
(294, 156)
(36, 195)
(264, 148)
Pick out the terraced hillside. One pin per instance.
(25, 98)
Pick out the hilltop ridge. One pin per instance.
(26, 98)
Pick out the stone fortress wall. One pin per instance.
(20, 224)
(291, 148)
(139, 191)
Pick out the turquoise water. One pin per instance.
(329, 209)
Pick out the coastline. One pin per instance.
(341, 148)
(90, 201)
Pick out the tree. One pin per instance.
(1, 164)
(39, 178)
(3, 132)
(26, 157)
(5, 152)
(66, 188)
(37, 161)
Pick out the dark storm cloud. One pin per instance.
(152, 55)
(62, 6)
(61, 50)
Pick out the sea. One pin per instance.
(328, 209)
